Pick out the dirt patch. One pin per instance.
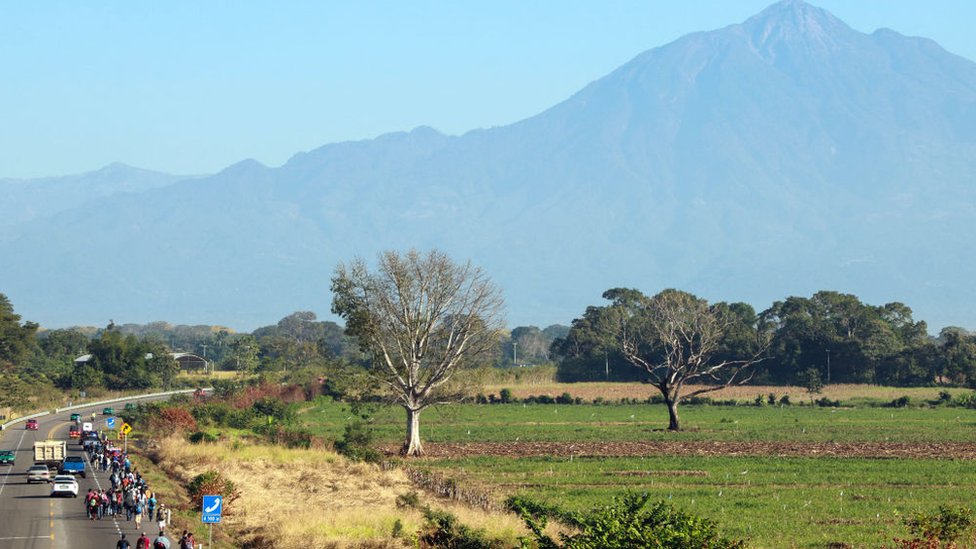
(869, 450)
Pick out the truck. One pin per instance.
(50, 453)
(73, 465)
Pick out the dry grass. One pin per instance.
(295, 498)
(616, 391)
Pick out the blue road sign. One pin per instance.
(110, 422)
(213, 507)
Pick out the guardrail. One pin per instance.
(4, 426)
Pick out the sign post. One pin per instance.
(124, 433)
(213, 507)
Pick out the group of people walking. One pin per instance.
(131, 495)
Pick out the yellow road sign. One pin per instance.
(125, 428)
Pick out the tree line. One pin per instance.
(829, 337)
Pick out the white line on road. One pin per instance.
(91, 467)
(4, 483)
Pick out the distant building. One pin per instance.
(187, 361)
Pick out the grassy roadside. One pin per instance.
(172, 492)
(299, 498)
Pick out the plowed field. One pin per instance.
(876, 450)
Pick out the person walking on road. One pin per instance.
(142, 542)
(123, 543)
(161, 542)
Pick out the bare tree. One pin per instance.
(680, 340)
(421, 317)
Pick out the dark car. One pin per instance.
(31, 424)
(76, 418)
(108, 411)
(7, 457)
(74, 431)
(89, 439)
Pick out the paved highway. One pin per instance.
(30, 518)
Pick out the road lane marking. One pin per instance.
(27, 537)
(17, 449)
(115, 519)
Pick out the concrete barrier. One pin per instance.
(6, 425)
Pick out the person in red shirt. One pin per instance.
(142, 542)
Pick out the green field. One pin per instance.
(638, 422)
(770, 501)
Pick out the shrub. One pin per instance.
(564, 398)
(628, 522)
(211, 483)
(771, 399)
(827, 403)
(356, 443)
(202, 436)
(933, 530)
(784, 400)
(965, 401)
(272, 407)
(900, 402)
(173, 419)
(760, 400)
(292, 437)
(443, 530)
(505, 396)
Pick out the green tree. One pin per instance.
(244, 354)
(958, 355)
(678, 339)
(421, 317)
(16, 340)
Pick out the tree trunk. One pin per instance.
(412, 446)
(673, 414)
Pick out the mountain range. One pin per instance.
(780, 156)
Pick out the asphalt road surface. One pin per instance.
(31, 519)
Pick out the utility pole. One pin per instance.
(514, 353)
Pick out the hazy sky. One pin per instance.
(191, 87)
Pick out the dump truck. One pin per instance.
(50, 453)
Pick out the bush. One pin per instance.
(827, 403)
(761, 400)
(202, 436)
(505, 396)
(771, 399)
(628, 522)
(934, 530)
(564, 398)
(356, 443)
(443, 530)
(173, 419)
(965, 401)
(784, 400)
(900, 402)
(211, 483)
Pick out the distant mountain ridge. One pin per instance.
(779, 156)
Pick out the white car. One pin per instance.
(64, 485)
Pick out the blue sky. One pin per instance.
(191, 87)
